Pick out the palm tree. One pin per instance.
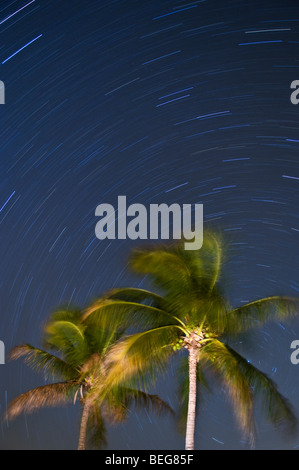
(76, 358)
(191, 313)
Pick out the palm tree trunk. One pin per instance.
(192, 399)
(83, 426)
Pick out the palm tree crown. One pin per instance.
(77, 356)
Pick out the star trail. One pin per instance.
(19, 50)
(164, 102)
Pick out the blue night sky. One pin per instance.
(161, 101)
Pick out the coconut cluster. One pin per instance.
(194, 339)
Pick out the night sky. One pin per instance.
(161, 101)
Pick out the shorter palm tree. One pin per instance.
(77, 355)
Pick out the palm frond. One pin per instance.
(114, 410)
(140, 354)
(133, 294)
(219, 358)
(214, 246)
(121, 400)
(171, 265)
(184, 277)
(107, 314)
(43, 361)
(68, 338)
(205, 265)
(277, 409)
(72, 315)
(215, 306)
(174, 271)
(257, 313)
(142, 400)
(163, 265)
(51, 395)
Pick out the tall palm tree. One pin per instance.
(76, 358)
(191, 313)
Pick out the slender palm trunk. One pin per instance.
(83, 426)
(192, 399)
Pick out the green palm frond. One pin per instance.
(163, 265)
(46, 396)
(174, 269)
(122, 399)
(43, 361)
(175, 281)
(141, 354)
(99, 340)
(114, 410)
(65, 327)
(68, 338)
(170, 270)
(72, 315)
(136, 295)
(185, 278)
(277, 409)
(141, 399)
(216, 252)
(213, 310)
(256, 314)
(219, 358)
(126, 314)
(205, 265)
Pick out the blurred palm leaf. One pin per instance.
(255, 314)
(42, 361)
(51, 395)
(80, 350)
